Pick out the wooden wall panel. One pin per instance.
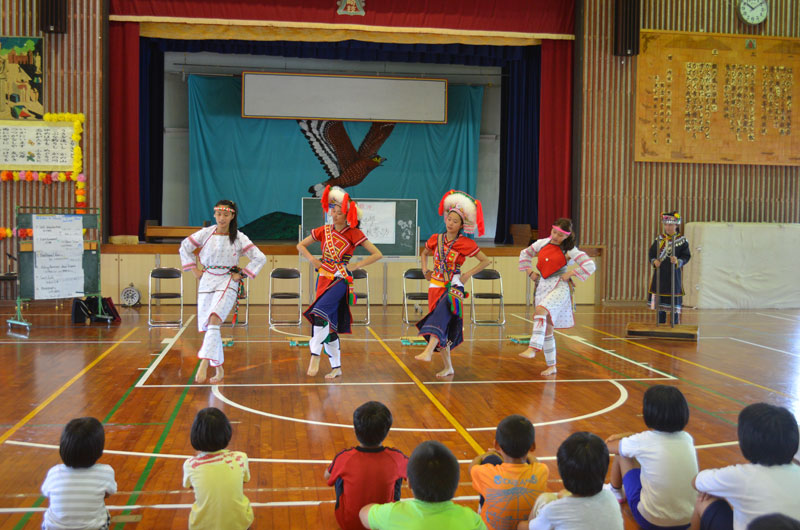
(620, 199)
(72, 83)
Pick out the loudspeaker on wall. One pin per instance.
(626, 27)
(53, 16)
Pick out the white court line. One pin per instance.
(585, 342)
(69, 342)
(177, 457)
(188, 506)
(795, 317)
(779, 318)
(170, 344)
(276, 330)
(551, 458)
(257, 385)
(218, 394)
(623, 397)
(437, 382)
(765, 347)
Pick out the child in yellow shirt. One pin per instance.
(217, 476)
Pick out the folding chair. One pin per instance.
(361, 274)
(285, 274)
(416, 296)
(490, 275)
(158, 274)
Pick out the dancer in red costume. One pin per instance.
(329, 314)
(443, 326)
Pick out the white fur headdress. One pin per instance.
(466, 206)
(336, 196)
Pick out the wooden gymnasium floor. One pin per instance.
(138, 382)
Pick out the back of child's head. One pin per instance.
(768, 434)
(82, 442)
(582, 463)
(515, 435)
(665, 409)
(433, 472)
(211, 430)
(372, 422)
(774, 521)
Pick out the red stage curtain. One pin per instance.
(525, 16)
(123, 134)
(555, 133)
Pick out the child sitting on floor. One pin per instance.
(216, 475)
(77, 488)
(433, 476)
(582, 463)
(370, 472)
(508, 476)
(657, 466)
(733, 496)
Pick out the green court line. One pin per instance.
(647, 385)
(25, 518)
(687, 381)
(149, 466)
(127, 392)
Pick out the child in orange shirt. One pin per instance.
(509, 477)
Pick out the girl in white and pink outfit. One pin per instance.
(553, 296)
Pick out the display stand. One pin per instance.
(39, 278)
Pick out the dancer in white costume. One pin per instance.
(220, 247)
(553, 297)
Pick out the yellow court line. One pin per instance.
(65, 386)
(718, 372)
(436, 403)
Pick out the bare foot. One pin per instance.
(550, 370)
(313, 366)
(217, 379)
(333, 374)
(529, 353)
(426, 355)
(202, 370)
(445, 373)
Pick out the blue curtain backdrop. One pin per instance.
(519, 165)
(267, 165)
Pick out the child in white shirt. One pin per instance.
(582, 463)
(656, 467)
(77, 488)
(731, 497)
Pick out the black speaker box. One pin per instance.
(626, 27)
(53, 16)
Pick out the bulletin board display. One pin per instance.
(721, 99)
(37, 145)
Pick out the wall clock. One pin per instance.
(752, 11)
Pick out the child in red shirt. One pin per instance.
(369, 473)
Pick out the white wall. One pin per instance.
(176, 115)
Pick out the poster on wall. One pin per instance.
(21, 78)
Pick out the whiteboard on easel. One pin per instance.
(58, 256)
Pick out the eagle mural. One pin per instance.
(344, 165)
